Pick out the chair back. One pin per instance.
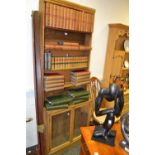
(95, 86)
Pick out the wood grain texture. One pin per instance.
(90, 147)
(118, 33)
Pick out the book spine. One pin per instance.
(51, 15)
(52, 81)
(45, 60)
(49, 61)
(46, 14)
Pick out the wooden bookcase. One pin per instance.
(64, 30)
(114, 70)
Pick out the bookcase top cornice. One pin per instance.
(72, 5)
(118, 25)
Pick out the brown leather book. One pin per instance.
(55, 88)
(53, 81)
(47, 86)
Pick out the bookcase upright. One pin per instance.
(62, 44)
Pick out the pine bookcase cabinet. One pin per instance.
(64, 30)
(116, 55)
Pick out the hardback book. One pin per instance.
(53, 76)
(59, 99)
(80, 72)
(47, 86)
(49, 60)
(80, 77)
(51, 107)
(77, 92)
(80, 83)
(45, 60)
(79, 101)
(54, 88)
(53, 81)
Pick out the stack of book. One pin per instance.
(58, 102)
(80, 77)
(79, 95)
(53, 81)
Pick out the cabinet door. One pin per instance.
(60, 129)
(81, 119)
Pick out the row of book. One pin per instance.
(65, 66)
(67, 18)
(54, 81)
(61, 62)
(72, 96)
(80, 77)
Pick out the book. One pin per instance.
(87, 76)
(59, 99)
(78, 92)
(45, 61)
(49, 60)
(53, 81)
(80, 83)
(80, 72)
(79, 101)
(53, 76)
(50, 107)
(46, 86)
(55, 88)
(47, 14)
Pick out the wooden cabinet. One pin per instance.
(62, 44)
(115, 69)
(63, 126)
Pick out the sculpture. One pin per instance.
(113, 93)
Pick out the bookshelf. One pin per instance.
(114, 68)
(62, 47)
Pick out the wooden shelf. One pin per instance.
(65, 30)
(65, 69)
(61, 47)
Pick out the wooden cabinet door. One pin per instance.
(80, 119)
(60, 129)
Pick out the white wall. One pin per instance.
(31, 127)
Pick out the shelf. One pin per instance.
(66, 30)
(65, 69)
(65, 47)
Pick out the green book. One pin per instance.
(76, 93)
(79, 101)
(58, 100)
(51, 107)
(82, 97)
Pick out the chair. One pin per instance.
(95, 86)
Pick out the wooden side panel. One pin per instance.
(38, 77)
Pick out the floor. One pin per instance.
(73, 150)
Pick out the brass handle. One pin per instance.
(29, 119)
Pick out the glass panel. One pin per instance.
(60, 128)
(81, 118)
